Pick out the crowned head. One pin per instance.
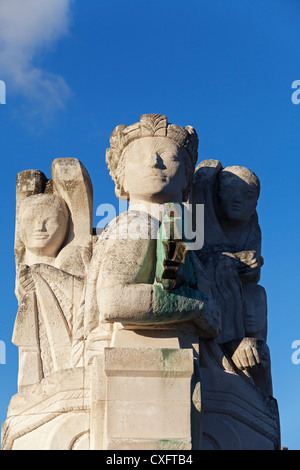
(152, 159)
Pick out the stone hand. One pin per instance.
(248, 258)
(251, 353)
(248, 263)
(25, 279)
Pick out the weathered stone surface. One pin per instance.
(135, 339)
(232, 258)
(37, 413)
(149, 395)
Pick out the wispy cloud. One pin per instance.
(27, 28)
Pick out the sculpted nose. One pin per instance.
(40, 226)
(236, 198)
(155, 161)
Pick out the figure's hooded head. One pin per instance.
(238, 193)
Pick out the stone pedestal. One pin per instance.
(148, 404)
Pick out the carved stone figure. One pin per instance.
(152, 163)
(232, 257)
(44, 322)
(137, 338)
(53, 247)
(50, 275)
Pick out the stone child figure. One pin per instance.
(152, 163)
(232, 254)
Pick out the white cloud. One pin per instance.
(28, 27)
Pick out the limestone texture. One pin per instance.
(136, 338)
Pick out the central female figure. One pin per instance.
(152, 163)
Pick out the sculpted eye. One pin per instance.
(169, 156)
(51, 220)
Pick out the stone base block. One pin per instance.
(148, 394)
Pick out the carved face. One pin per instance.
(155, 170)
(44, 222)
(237, 197)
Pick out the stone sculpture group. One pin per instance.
(131, 339)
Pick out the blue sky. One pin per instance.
(76, 69)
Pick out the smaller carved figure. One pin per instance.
(232, 256)
(52, 256)
(43, 327)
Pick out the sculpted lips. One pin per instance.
(160, 176)
(236, 206)
(40, 236)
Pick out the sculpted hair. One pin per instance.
(150, 125)
(49, 200)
